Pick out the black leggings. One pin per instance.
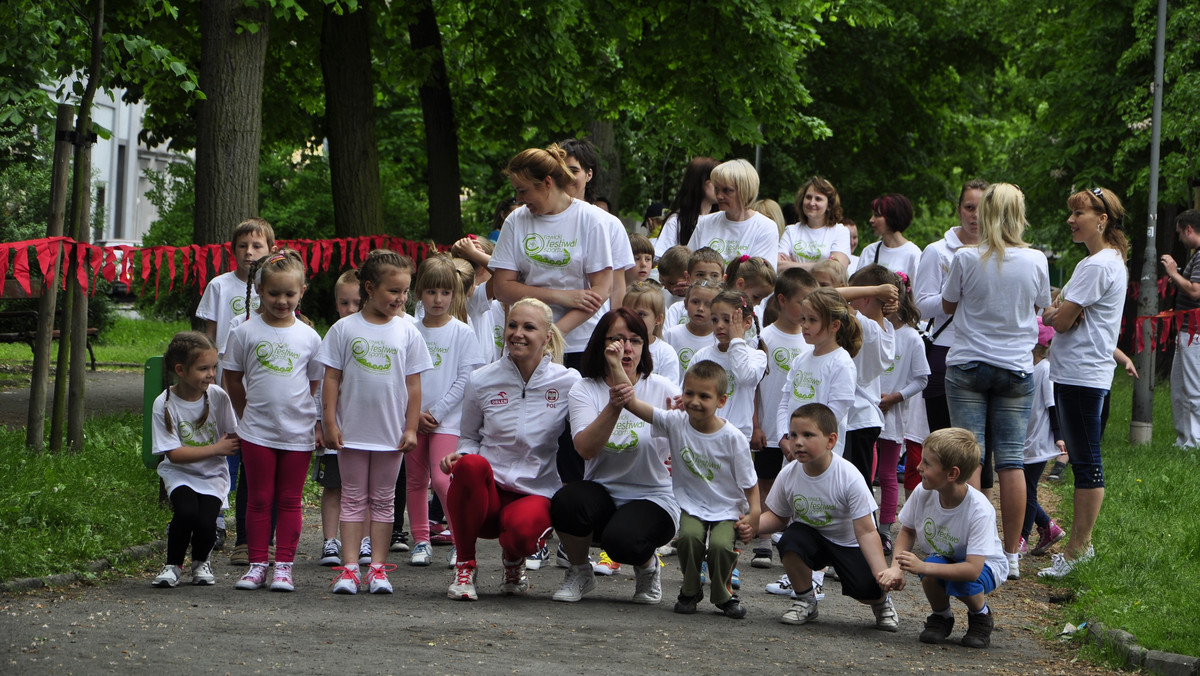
(194, 522)
(860, 450)
(569, 462)
(629, 533)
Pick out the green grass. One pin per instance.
(126, 341)
(1147, 538)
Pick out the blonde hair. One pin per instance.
(440, 272)
(375, 267)
(833, 268)
(739, 174)
(954, 447)
(284, 261)
(557, 344)
(183, 350)
(1108, 204)
(830, 307)
(1001, 221)
(649, 296)
(535, 164)
(771, 209)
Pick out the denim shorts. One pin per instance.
(986, 583)
(993, 403)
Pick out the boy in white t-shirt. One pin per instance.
(824, 509)
(714, 482)
(957, 525)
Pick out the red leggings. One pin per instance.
(274, 478)
(912, 478)
(479, 508)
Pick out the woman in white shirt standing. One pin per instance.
(694, 199)
(736, 230)
(891, 215)
(994, 292)
(1087, 318)
(819, 234)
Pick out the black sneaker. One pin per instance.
(399, 541)
(937, 628)
(219, 544)
(1056, 471)
(979, 630)
(686, 605)
(762, 558)
(732, 608)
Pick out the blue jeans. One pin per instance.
(993, 403)
(1081, 423)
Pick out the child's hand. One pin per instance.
(427, 424)
(890, 308)
(887, 293)
(889, 400)
(785, 445)
(680, 289)
(408, 441)
(449, 462)
(229, 445)
(758, 439)
(737, 327)
(910, 563)
(675, 403)
(890, 579)
(333, 437)
(745, 529)
(320, 435)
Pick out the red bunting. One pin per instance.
(21, 270)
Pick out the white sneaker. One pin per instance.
(1060, 565)
(463, 588)
(649, 583)
(281, 579)
(819, 584)
(667, 549)
(1014, 566)
(347, 581)
(577, 581)
(452, 557)
(515, 581)
(539, 557)
(364, 552)
(168, 576)
(377, 579)
(422, 555)
(782, 587)
(202, 573)
(803, 610)
(886, 618)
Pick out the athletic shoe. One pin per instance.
(1023, 550)
(240, 555)
(219, 543)
(605, 566)
(561, 558)
(733, 608)
(168, 576)
(888, 545)
(803, 611)
(442, 538)
(422, 555)
(331, 553)
(577, 581)
(886, 618)
(782, 586)
(667, 549)
(364, 552)
(515, 581)
(452, 556)
(735, 579)
(377, 579)
(979, 630)
(539, 557)
(832, 573)
(704, 572)
(399, 541)
(1061, 566)
(818, 582)
(1047, 537)
(1056, 471)
(347, 581)
(686, 605)
(649, 583)
(463, 588)
(281, 579)
(255, 578)
(202, 573)
(1014, 566)
(937, 629)
(762, 558)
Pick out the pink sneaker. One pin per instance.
(442, 538)
(282, 579)
(255, 578)
(1023, 550)
(1047, 537)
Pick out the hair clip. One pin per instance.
(744, 258)
(903, 278)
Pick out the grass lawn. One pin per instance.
(1147, 538)
(125, 341)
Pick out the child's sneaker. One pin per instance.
(535, 561)
(733, 608)
(364, 551)
(331, 552)
(782, 586)
(979, 630)
(762, 558)
(1047, 537)
(399, 541)
(240, 556)
(463, 588)
(937, 628)
(1014, 565)
(605, 566)
(168, 576)
(281, 579)
(649, 583)
(219, 543)
(803, 611)
(452, 557)
(1056, 471)
(686, 605)
(347, 581)
(667, 549)
(377, 579)
(422, 555)
(255, 578)
(515, 581)
(886, 539)
(735, 579)
(704, 572)
(202, 573)
(1023, 549)
(577, 581)
(818, 581)
(886, 618)
(444, 537)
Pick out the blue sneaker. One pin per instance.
(736, 580)
(703, 572)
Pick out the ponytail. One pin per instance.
(830, 307)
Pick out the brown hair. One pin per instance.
(535, 164)
(1104, 201)
(823, 186)
(183, 350)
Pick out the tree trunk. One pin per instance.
(350, 122)
(441, 131)
(229, 120)
(608, 180)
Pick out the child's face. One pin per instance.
(280, 295)
(1188, 237)
(346, 297)
(757, 292)
(824, 280)
(816, 332)
(642, 264)
(388, 298)
(248, 249)
(670, 283)
(809, 443)
(436, 301)
(648, 317)
(723, 321)
(701, 398)
(933, 475)
(200, 374)
(699, 307)
(706, 271)
(790, 308)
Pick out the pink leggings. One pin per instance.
(423, 464)
(889, 491)
(480, 509)
(368, 480)
(274, 478)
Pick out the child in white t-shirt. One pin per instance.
(1043, 442)
(645, 299)
(697, 333)
(703, 265)
(956, 525)
(714, 483)
(733, 316)
(485, 314)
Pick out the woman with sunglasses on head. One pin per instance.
(1087, 318)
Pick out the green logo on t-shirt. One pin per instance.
(685, 357)
(553, 250)
(698, 464)
(805, 386)
(812, 511)
(204, 435)
(782, 357)
(238, 304)
(372, 355)
(435, 353)
(939, 538)
(624, 436)
(807, 251)
(275, 357)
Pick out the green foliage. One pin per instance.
(172, 192)
(24, 183)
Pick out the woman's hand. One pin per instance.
(620, 395)
(613, 352)
(428, 423)
(449, 462)
(580, 299)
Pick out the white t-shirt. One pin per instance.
(908, 375)
(486, 319)
(828, 502)
(755, 236)
(744, 367)
(1039, 440)
(557, 251)
(667, 237)
(209, 476)
(455, 354)
(826, 379)
(666, 361)
(686, 344)
(782, 350)
(904, 258)
(995, 322)
(278, 367)
(967, 530)
(873, 359)
(710, 472)
(670, 300)
(1083, 355)
(515, 425)
(633, 464)
(803, 244)
(927, 285)
(223, 301)
(618, 238)
(374, 360)
(675, 315)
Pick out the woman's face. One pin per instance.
(579, 186)
(526, 334)
(878, 224)
(1085, 225)
(727, 197)
(536, 196)
(631, 346)
(815, 207)
(968, 212)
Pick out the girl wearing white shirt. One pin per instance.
(820, 234)
(891, 215)
(1081, 361)
(694, 199)
(994, 292)
(646, 301)
(503, 473)
(876, 356)
(733, 315)
(625, 500)
(736, 229)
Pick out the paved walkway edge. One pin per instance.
(135, 553)
(1125, 646)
